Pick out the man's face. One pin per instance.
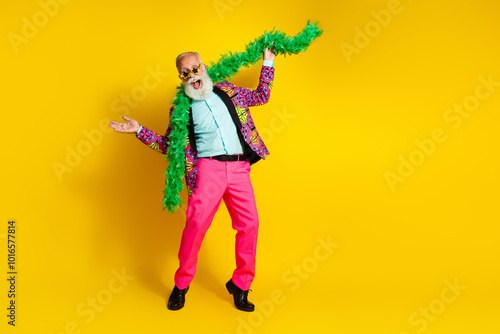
(197, 86)
(187, 64)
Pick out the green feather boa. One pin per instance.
(227, 66)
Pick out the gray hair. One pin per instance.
(179, 57)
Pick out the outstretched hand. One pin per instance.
(132, 126)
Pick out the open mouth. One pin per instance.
(196, 84)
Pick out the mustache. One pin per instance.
(195, 78)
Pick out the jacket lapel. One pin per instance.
(192, 138)
(230, 106)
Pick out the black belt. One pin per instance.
(239, 157)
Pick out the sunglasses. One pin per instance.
(186, 74)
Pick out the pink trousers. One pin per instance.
(219, 180)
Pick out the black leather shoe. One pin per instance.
(177, 299)
(240, 297)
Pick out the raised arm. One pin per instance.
(262, 93)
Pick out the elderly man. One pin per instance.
(221, 146)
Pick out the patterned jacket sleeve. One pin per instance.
(155, 141)
(261, 94)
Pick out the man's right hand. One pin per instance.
(132, 126)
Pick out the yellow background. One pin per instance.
(349, 121)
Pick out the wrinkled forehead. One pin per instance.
(188, 62)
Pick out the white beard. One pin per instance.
(202, 93)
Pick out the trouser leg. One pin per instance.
(240, 201)
(202, 206)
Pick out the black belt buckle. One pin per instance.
(238, 157)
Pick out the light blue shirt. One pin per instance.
(214, 128)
